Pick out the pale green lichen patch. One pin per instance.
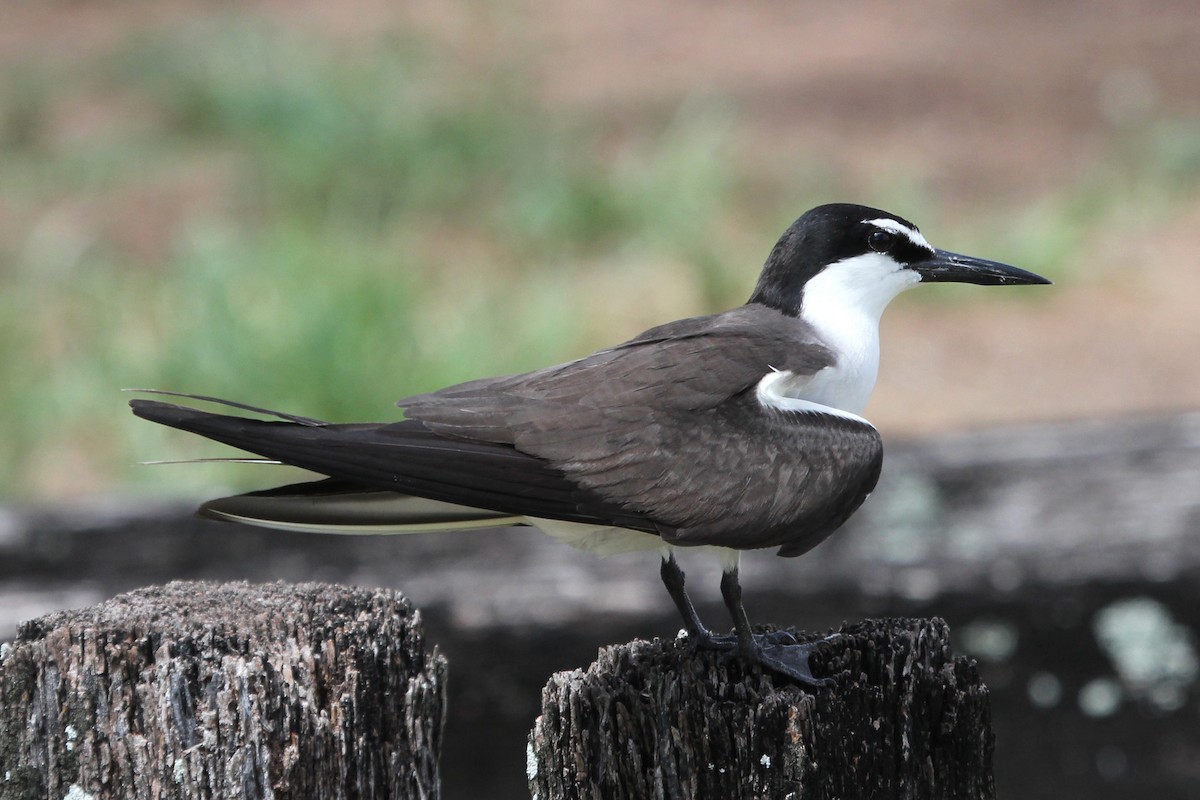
(76, 793)
(1154, 656)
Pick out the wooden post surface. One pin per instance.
(203, 690)
(653, 720)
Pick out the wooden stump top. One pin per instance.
(197, 690)
(654, 720)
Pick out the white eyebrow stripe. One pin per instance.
(914, 236)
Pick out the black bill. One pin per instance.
(946, 267)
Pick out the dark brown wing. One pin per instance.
(667, 426)
(409, 458)
(662, 434)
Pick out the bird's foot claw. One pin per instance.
(791, 660)
(781, 638)
(712, 641)
(776, 651)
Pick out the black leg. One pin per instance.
(777, 651)
(731, 591)
(672, 578)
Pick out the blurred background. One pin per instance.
(324, 207)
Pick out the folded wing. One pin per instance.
(664, 434)
(404, 457)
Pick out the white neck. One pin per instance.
(843, 303)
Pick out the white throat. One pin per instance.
(843, 303)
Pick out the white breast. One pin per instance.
(843, 303)
(787, 392)
(847, 384)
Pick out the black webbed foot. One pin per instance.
(777, 637)
(790, 660)
(775, 651)
(712, 641)
(727, 643)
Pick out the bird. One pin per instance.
(735, 431)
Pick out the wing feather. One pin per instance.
(659, 424)
(662, 434)
(407, 457)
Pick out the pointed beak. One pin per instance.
(946, 267)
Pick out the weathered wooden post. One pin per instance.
(200, 690)
(652, 720)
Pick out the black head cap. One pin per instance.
(823, 236)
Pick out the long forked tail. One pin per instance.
(383, 477)
(332, 506)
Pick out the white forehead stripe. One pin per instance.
(914, 236)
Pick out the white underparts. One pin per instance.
(843, 303)
(602, 540)
(782, 390)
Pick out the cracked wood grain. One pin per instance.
(653, 720)
(202, 690)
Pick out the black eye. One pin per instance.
(881, 241)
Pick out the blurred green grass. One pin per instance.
(243, 211)
(367, 218)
